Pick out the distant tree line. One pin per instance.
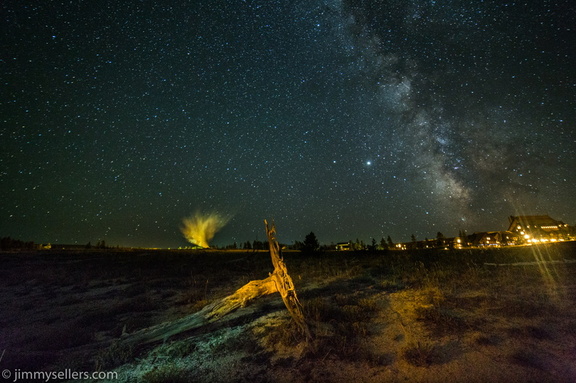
(99, 245)
(7, 243)
(254, 245)
(311, 245)
(383, 244)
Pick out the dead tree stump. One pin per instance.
(284, 284)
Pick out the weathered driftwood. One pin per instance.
(278, 281)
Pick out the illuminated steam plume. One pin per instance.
(200, 228)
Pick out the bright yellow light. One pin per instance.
(200, 228)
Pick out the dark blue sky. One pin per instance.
(352, 119)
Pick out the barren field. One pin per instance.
(493, 315)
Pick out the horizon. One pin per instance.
(221, 244)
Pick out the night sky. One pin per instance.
(352, 119)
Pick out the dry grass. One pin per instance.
(113, 356)
(420, 354)
(448, 297)
(169, 373)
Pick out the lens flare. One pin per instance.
(546, 260)
(200, 228)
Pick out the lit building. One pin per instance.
(538, 228)
(493, 238)
(344, 246)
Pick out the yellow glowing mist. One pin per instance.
(200, 228)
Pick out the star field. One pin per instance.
(352, 119)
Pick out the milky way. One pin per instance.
(352, 119)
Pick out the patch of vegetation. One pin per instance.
(420, 354)
(286, 334)
(488, 340)
(168, 373)
(440, 321)
(341, 325)
(392, 284)
(196, 293)
(532, 308)
(181, 349)
(528, 358)
(244, 342)
(113, 356)
(530, 332)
